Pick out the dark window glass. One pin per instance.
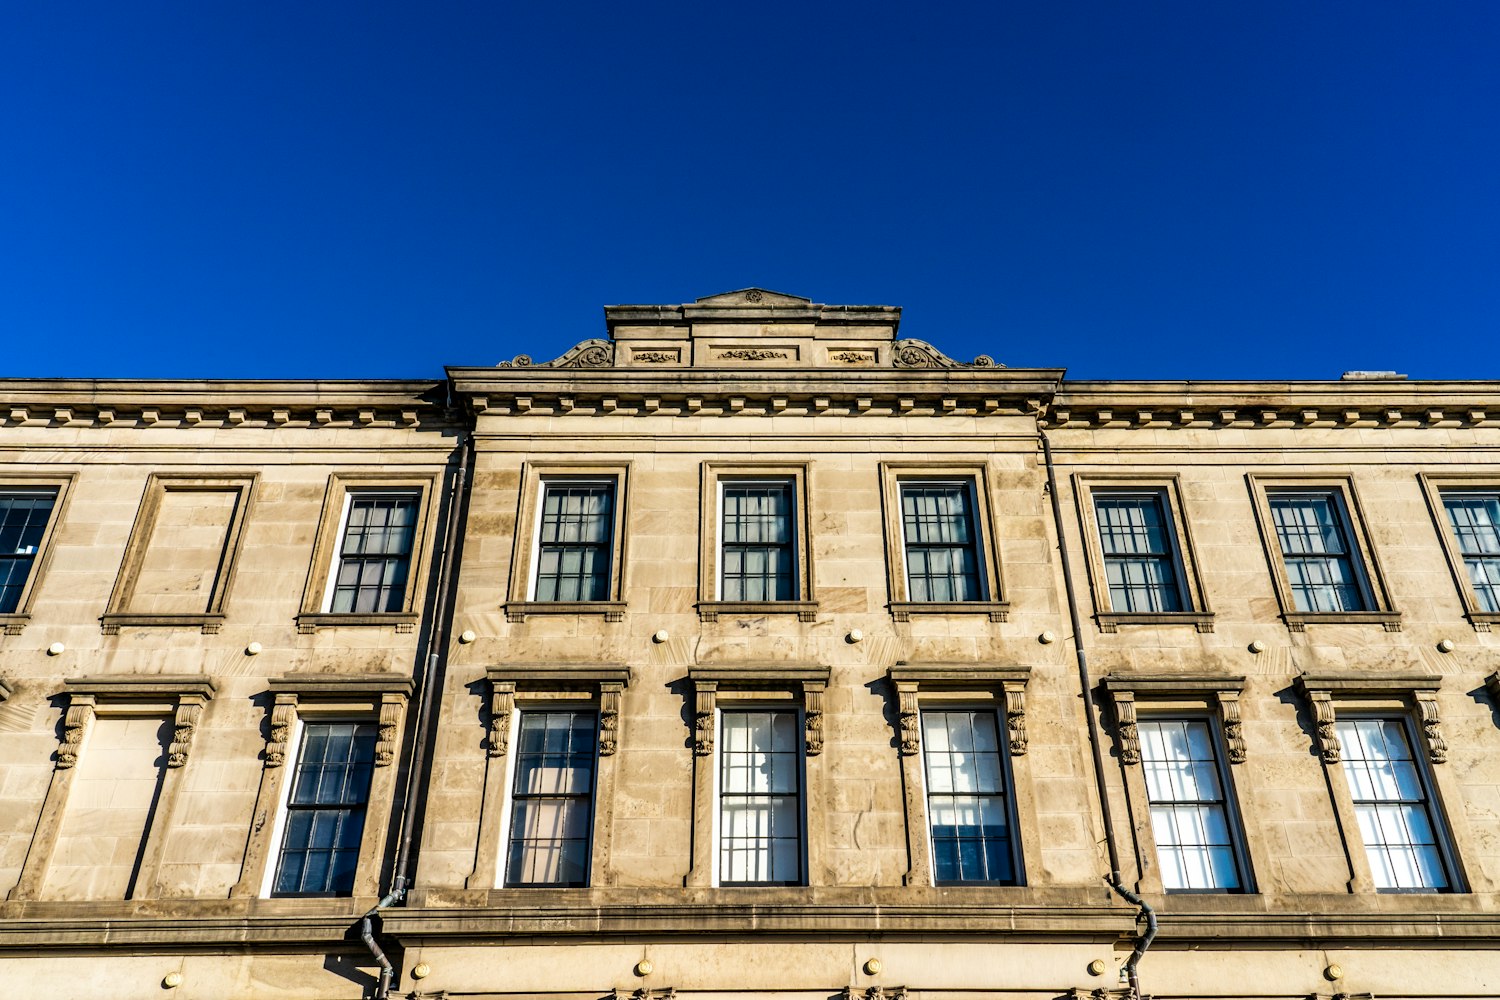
(1138, 560)
(1390, 800)
(1315, 551)
(326, 812)
(942, 558)
(1189, 816)
(552, 799)
(760, 798)
(23, 521)
(375, 555)
(1476, 522)
(966, 803)
(757, 562)
(574, 547)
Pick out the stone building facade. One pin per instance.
(750, 651)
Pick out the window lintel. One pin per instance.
(1215, 693)
(1373, 691)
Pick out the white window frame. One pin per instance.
(717, 812)
(784, 482)
(508, 776)
(337, 564)
(534, 571)
(1007, 778)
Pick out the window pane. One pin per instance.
(966, 805)
(23, 521)
(552, 799)
(756, 560)
(1189, 817)
(1475, 519)
(1138, 552)
(326, 810)
(942, 560)
(1390, 804)
(375, 553)
(574, 548)
(760, 797)
(1315, 551)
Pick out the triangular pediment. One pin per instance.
(753, 297)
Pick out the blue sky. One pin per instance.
(1128, 190)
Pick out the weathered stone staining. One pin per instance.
(757, 679)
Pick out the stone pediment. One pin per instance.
(756, 298)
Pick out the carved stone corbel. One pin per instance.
(75, 724)
(1432, 732)
(1234, 735)
(1125, 726)
(908, 718)
(283, 715)
(609, 717)
(812, 714)
(502, 703)
(184, 726)
(1015, 717)
(703, 718)
(389, 722)
(1327, 723)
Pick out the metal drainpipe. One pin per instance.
(436, 640)
(1095, 744)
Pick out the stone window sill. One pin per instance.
(709, 611)
(1297, 621)
(15, 623)
(1483, 621)
(998, 611)
(1110, 621)
(516, 611)
(111, 623)
(401, 621)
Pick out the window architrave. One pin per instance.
(520, 600)
(1363, 561)
(1212, 699)
(180, 698)
(715, 474)
(746, 685)
(60, 484)
(975, 476)
(1414, 699)
(1434, 486)
(378, 698)
(323, 568)
(993, 688)
(142, 533)
(515, 687)
(1167, 489)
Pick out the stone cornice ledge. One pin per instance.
(153, 924)
(745, 919)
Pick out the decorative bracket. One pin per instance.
(1125, 727)
(812, 713)
(75, 724)
(609, 717)
(390, 719)
(706, 700)
(383, 696)
(283, 716)
(184, 725)
(502, 703)
(1015, 716)
(1234, 730)
(1406, 692)
(1005, 684)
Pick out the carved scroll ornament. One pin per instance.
(703, 718)
(1234, 731)
(389, 722)
(909, 720)
(283, 715)
(184, 725)
(75, 724)
(609, 718)
(1327, 723)
(592, 353)
(1125, 723)
(502, 702)
(812, 696)
(1015, 717)
(920, 354)
(1432, 731)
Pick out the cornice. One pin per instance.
(178, 404)
(730, 392)
(1349, 404)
